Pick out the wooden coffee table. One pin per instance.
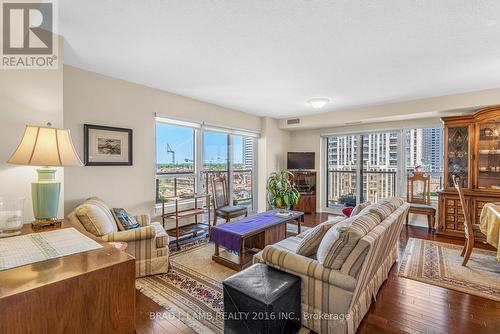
(248, 236)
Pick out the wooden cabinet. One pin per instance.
(305, 181)
(472, 152)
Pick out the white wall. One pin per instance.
(27, 97)
(101, 100)
(272, 148)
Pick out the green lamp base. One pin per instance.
(45, 195)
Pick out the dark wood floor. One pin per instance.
(402, 306)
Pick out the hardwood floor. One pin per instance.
(402, 306)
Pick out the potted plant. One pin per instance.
(281, 192)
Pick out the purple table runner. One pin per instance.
(228, 235)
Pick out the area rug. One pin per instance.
(192, 289)
(440, 264)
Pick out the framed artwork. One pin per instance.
(107, 146)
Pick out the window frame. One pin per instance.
(198, 149)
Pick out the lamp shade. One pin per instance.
(44, 146)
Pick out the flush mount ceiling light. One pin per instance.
(318, 102)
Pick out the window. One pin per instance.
(185, 152)
(243, 157)
(175, 160)
(342, 166)
(215, 156)
(377, 176)
(424, 149)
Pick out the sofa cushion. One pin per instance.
(341, 239)
(124, 220)
(96, 217)
(310, 242)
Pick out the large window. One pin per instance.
(188, 154)
(243, 158)
(175, 160)
(424, 150)
(382, 155)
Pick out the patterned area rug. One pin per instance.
(192, 289)
(440, 264)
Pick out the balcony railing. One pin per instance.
(342, 186)
(242, 185)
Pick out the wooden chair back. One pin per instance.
(468, 228)
(418, 188)
(220, 190)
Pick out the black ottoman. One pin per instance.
(261, 299)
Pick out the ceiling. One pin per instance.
(269, 57)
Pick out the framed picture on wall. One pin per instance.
(107, 146)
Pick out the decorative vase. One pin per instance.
(11, 216)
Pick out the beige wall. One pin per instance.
(434, 107)
(272, 148)
(27, 97)
(96, 99)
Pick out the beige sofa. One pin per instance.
(147, 243)
(336, 300)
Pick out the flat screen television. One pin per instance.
(300, 160)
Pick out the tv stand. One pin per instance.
(305, 181)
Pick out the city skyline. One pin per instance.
(379, 163)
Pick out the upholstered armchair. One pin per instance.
(148, 243)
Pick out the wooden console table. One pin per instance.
(89, 292)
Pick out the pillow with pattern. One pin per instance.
(124, 220)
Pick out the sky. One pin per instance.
(181, 139)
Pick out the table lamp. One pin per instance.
(48, 147)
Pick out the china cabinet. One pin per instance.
(472, 152)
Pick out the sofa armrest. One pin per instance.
(144, 219)
(303, 266)
(137, 234)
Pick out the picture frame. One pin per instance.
(107, 146)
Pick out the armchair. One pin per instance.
(147, 243)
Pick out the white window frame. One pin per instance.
(199, 129)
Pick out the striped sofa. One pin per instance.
(147, 243)
(336, 300)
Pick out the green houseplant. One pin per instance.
(281, 193)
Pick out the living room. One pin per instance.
(248, 167)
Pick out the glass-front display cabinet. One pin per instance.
(488, 157)
(472, 153)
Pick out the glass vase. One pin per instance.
(11, 216)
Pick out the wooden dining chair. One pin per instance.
(468, 227)
(222, 208)
(418, 195)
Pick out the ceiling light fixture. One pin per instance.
(318, 102)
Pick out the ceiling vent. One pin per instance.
(293, 121)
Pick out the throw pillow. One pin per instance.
(309, 244)
(124, 220)
(96, 217)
